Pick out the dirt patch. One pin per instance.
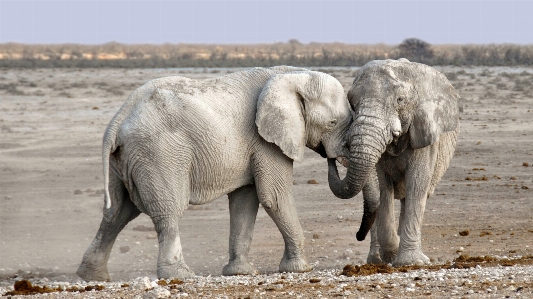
(461, 262)
(25, 287)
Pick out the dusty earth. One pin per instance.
(52, 122)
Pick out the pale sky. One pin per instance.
(229, 22)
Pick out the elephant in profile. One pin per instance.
(403, 137)
(178, 141)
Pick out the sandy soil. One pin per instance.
(52, 122)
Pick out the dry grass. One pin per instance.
(291, 53)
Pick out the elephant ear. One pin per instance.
(280, 116)
(438, 108)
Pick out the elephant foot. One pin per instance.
(89, 272)
(411, 257)
(297, 265)
(179, 271)
(374, 257)
(388, 256)
(239, 268)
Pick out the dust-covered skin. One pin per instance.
(50, 147)
(406, 121)
(179, 141)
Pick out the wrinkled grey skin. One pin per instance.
(406, 121)
(178, 141)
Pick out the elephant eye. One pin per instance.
(332, 123)
(399, 100)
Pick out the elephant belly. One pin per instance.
(218, 178)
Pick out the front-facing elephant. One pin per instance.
(403, 136)
(178, 141)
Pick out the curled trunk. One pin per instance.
(365, 150)
(368, 143)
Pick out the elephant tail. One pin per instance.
(108, 147)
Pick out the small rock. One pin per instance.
(141, 284)
(157, 293)
(312, 182)
(77, 192)
(525, 164)
(124, 249)
(316, 236)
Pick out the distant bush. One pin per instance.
(293, 52)
(415, 49)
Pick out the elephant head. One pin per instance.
(304, 108)
(397, 104)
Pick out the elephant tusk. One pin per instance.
(345, 162)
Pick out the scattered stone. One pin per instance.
(314, 280)
(525, 164)
(157, 293)
(316, 236)
(141, 284)
(312, 182)
(525, 187)
(95, 108)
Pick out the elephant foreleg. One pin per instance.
(273, 178)
(243, 206)
(287, 222)
(418, 180)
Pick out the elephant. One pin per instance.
(178, 141)
(402, 139)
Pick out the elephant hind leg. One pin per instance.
(94, 264)
(164, 194)
(243, 206)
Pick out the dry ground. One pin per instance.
(52, 121)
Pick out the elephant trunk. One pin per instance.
(369, 140)
(365, 151)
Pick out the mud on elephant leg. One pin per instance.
(243, 206)
(94, 264)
